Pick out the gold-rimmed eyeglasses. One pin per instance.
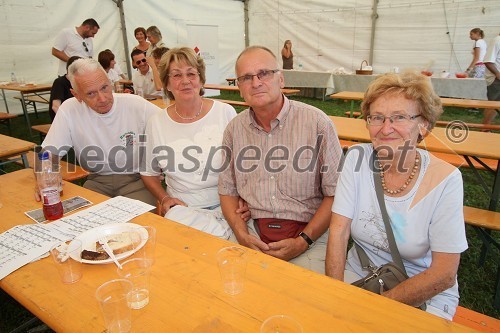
(379, 120)
(264, 75)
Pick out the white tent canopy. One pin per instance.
(326, 34)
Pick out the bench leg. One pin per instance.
(496, 300)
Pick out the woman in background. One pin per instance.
(107, 60)
(287, 55)
(140, 35)
(477, 68)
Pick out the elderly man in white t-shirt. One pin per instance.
(75, 41)
(146, 78)
(105, 130)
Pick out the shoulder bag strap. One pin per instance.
(396, 257)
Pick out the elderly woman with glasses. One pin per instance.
(184, 144)
(423, 196)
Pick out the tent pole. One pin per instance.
(245, 10)
(119, 4)
(372, 39)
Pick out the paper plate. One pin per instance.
(90, 237)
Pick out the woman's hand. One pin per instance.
(243, 210)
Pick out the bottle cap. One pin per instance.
(43, 155)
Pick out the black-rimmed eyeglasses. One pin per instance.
(138, 62)
(85, 46)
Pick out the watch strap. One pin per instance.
(308, 239)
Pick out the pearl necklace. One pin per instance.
(407, 182)
(188, 118)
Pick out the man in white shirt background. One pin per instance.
(75, 41)
(146, 78)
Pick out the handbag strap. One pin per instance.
(396, 257)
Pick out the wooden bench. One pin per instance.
(236, 103)
(5, 119)
(43, 129)
(353, 114)
(487, 127)
(482, 218)
(32, 100)
(69, 171)
(476, 320)
(231, 81)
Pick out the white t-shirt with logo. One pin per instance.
(104, 143)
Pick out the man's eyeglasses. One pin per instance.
(265, 75)
(379, 120)
(177, 76)
(138, 62)
(85, 46)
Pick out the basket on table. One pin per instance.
(362, 71)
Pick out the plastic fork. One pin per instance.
(104, 242)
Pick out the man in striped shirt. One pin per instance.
(282, 158)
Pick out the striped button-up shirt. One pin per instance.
(284, 173)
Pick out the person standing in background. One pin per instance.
(75, 42)
(60, 91)
(476, 68)
(154, 36)
(287, 55)
(492, 62)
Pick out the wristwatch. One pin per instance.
(308, 240)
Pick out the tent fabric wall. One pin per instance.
(409, 34)
(30, 26)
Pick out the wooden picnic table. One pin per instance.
(10, 147)
(186, 291)
(26, 90)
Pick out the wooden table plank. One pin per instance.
(186, 293)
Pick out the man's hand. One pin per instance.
(253, 242)
(170, 202)
(243, 210)
(288, 248)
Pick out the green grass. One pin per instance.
(477, 283)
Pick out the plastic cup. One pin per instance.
(112, 297)
(63, 254)
(118, 87)
(138, 272)
(148, 238)
(280, 324)
(232, 267)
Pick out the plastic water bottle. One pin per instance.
(139, 91)
(48, 180)
(13, 77)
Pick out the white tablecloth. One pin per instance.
(451, 87)
(308, 79)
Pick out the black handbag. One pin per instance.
(387, 276)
